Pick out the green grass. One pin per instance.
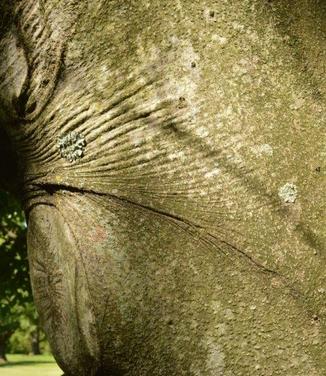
(28, 365)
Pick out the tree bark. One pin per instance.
(170, 156)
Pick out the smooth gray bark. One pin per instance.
(172, 159)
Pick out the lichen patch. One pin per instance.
(288, 193)
(264, 149)
(71, 146)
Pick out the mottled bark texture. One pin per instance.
(171, 159)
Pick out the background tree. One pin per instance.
(29, 338)
(15, 289)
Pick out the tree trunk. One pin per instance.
(4, 337)
(35, 339)
(171, 159)
(3, 358)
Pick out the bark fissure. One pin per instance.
(43, 73)
(194, 229)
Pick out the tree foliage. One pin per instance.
(15, 289)
(29, 337)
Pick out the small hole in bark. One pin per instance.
(211, 13)
(318, 169)
(182, 102)
(193, 64)
(52, 117)
(31, 108)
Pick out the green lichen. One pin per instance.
(71, 146)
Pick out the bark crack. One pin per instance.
(196, 230)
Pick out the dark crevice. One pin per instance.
(9, 168)
(30, 105)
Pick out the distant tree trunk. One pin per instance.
(3, 357)
(4, 337)
(36, 341)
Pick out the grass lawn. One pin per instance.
(28, 365)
